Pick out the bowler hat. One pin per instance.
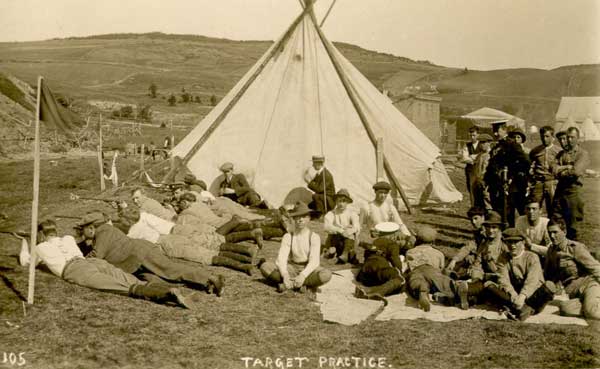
(385, 228)
(226, 166)
(493, 218)
(484, 137)
(318, 158)
(300, 209)
(94, 218)
(382, 185)
(512, 235)
(343, 193)
(518, 131)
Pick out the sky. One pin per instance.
(477, 34)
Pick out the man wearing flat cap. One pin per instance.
(380, 210)
(521, 284)
(342, 226)
(237, 188)
(320, 182)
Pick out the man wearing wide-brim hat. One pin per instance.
(380, 210)
(486, 264)
(521, 284)
(140, 256)
(298, 262)
(342, 225)
(236, 187)
(320, 182)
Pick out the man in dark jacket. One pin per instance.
(137, 256)
(237, 188)
(323, 187)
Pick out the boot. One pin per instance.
(271, 232)
(250, 250)
(462, 289)
(237, 257)
(255, 234)
(228, 227)
(216, 285)
(233, 264)
(160, 293)
(388, 287)
(424, 301)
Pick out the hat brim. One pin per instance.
(493, 223)
(335, 197)
(301, 213)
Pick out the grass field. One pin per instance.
(74, 327)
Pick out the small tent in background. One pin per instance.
(589, 131)
(485, 117)
(303, 98)
(568, 123)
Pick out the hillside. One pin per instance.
(121, 67)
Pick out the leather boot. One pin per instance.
(250, 250)
(255, 234)
(216, 284)
(424, 303)
(379, 292)
(233, 264)
(271, 232)
(160, 293)
(237, 257)
(228, 227)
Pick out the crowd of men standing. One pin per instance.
(501, 175)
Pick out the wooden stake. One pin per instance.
(327, 14)
(379, 159)
(36, 196)
(100, 160)
(142, 158)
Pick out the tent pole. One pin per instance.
(36, 196)
(100, 158)
(327, 14)
(361, 114)
(244, 88)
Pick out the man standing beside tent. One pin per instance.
(570, 167)
(496, 175)
(323, 187)
(468, 155)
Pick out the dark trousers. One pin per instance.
(516, 202)
(537, 301)
(344, 247)
(568, 203)
(428, 279)
(318, 203)
(158, 263)
(250, 198)
(468, 175)
(376, 271)
(543, 192)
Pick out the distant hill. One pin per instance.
(121, 67)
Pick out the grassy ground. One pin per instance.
(74, 327)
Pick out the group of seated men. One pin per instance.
(518, 269)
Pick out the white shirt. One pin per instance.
(338, 222)
(538, 234)
(57, 251)
(386, 212)
(464, 154)
(301, 250)
(150, 227)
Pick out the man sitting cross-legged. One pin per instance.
(381, 272)
(460, 264)
(189, 243)
(521, 286)
(140, 256)
(380, 210)
(65, 260)
(342, 227)
(534, 227)
(298, 262)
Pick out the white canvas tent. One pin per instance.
(304, 98)
(589, 131)
(485, 117)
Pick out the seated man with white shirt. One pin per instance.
(342, 226)
(380, 211)
(298, 262)
(534, 228)
(65, 260)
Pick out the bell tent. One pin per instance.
(304, 98)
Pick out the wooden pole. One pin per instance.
(36, 195)
(379, 159)
(100, 159)
(142, 159)
(359, 111)
(327, 14)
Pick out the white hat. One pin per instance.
(387, 227)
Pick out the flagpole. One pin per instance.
(100, 158)
(36, 195)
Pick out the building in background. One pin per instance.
(424, 112)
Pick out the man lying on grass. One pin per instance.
(298, 262)
(141, 256)
(65, 260)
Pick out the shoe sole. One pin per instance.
(181, 300)
(463, 296)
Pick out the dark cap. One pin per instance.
(475, 211)
(382, 185)
(318, 158)
(484, 138)
(512, 235)
(493, 218)
(519, 132)
(300, 209)
(343, 193)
